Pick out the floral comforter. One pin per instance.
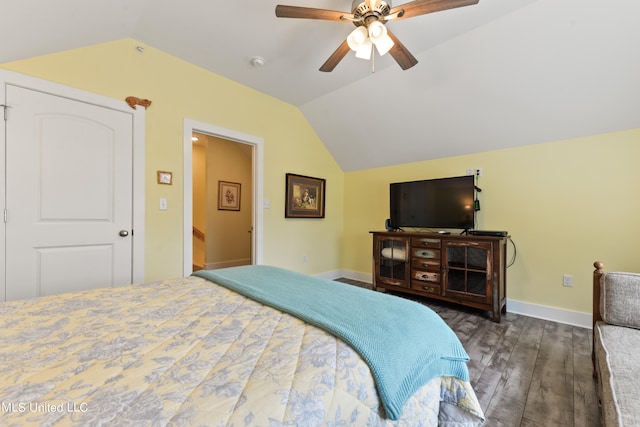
(188, 352)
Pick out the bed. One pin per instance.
(198, 351)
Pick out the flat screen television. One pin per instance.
(433, 203)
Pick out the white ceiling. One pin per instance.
(498, 74)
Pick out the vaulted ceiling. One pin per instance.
(498, 74)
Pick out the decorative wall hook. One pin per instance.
(133, 101)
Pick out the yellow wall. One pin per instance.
(565, 204)
(181, 90)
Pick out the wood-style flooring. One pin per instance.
(526, 372)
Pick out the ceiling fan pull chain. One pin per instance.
(373, 60)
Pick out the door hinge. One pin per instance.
(6, 110)
(5, 215)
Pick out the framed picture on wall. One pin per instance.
(165, 177)
(304, 197)
(228, 196)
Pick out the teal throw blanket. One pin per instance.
(404, 343)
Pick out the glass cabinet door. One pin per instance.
(392, 266)
(467, 270)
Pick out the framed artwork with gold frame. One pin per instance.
(228, 196)
(305, 197)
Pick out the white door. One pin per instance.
(68, 195)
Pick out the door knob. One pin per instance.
(123, 233)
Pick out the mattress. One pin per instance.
(188, 352)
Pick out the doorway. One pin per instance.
(222, 202)
(249, 235)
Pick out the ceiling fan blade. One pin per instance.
(399, 52)
(283, 11)
(335, 57)
(422, 7)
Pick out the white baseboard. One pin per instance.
(347, 274)
(560, 315)
(225, 264)
(331, 275)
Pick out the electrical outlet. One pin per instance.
(304, 258)
(478, 171)
(567, 280)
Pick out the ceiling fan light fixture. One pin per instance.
(364, 51)
(377, 30)
(360, 42)
(384, 45)
(357, 38)
(379, 37)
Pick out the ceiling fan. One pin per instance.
(370, 17)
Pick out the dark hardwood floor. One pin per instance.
(526, 372)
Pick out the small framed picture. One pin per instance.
(304, 197)
(165, 177)
(228, 196)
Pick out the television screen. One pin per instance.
(433, 203)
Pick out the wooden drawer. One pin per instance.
(424, 253)
(391, 281)
(427, 276)
(425, 287)
(432, 264)
(425, 242)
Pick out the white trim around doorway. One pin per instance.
(191, 126)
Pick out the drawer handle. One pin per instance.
(425, 276)
(427, 288)
(426, 254)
